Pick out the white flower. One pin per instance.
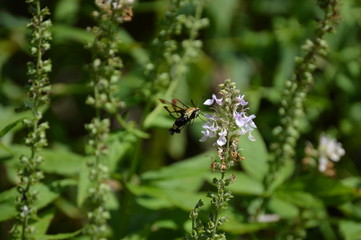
(210, 128)
(240, 101)
(266, 218)
(25, 209)
(222, 140)
(207, 134)
(214, 98)
(329, 150)
(245, 123)
(322, 164)
(229, 119)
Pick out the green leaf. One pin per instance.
(67, 208)
(299, 198)
(46, 196)
(60, 236)
(84, 184)
(245, 184)
(64, 32)
(61, 161)
(284, 67)
(330, 191)
(350, 230)
(6, 149)
(118, 145)
(284, 173)
(112, 202)
(327, 230)
(7, 200)
(156, 198)
(255, 153)
(7, 204)
(283, 208)
(351, 210)
(166, 223)
(43, 223)
(58, 160)
(187, 175)
(10, 126)
(190, 167)
(159, 120)
(10, 119)
(66, 11)
(136, 50)
(353, 182)
(222, 12)
(236, 227)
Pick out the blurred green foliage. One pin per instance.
(253, 43)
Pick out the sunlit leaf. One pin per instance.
(255, 153)
(283, 208)
(350, 230)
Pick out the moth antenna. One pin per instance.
(199, 102)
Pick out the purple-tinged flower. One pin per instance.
(240, 101)
(226, 124)
(210, 128)
(214, 98)
(245, 123)
(208, 133)
(222, 140)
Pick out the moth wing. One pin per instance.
(172, 113)
(173, 109)
(178, 102)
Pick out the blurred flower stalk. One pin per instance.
(106, 73)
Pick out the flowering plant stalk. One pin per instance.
(292, 104)
(29, 172)
(106, 71)
(295, 93)
(168, 64)
(291, 110)
(176, 45)
(227, 123)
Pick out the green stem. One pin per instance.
(216, 214)
(30, 168)
(198, 15)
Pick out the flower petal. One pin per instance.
(208, 102)
(221, 141)
(322, 164)
(251, 137)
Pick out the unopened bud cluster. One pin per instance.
(105, 76)
(114, 10)
(106, 64)
(98, 133)
(171, 56)
(40, 42)
(29, 173)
